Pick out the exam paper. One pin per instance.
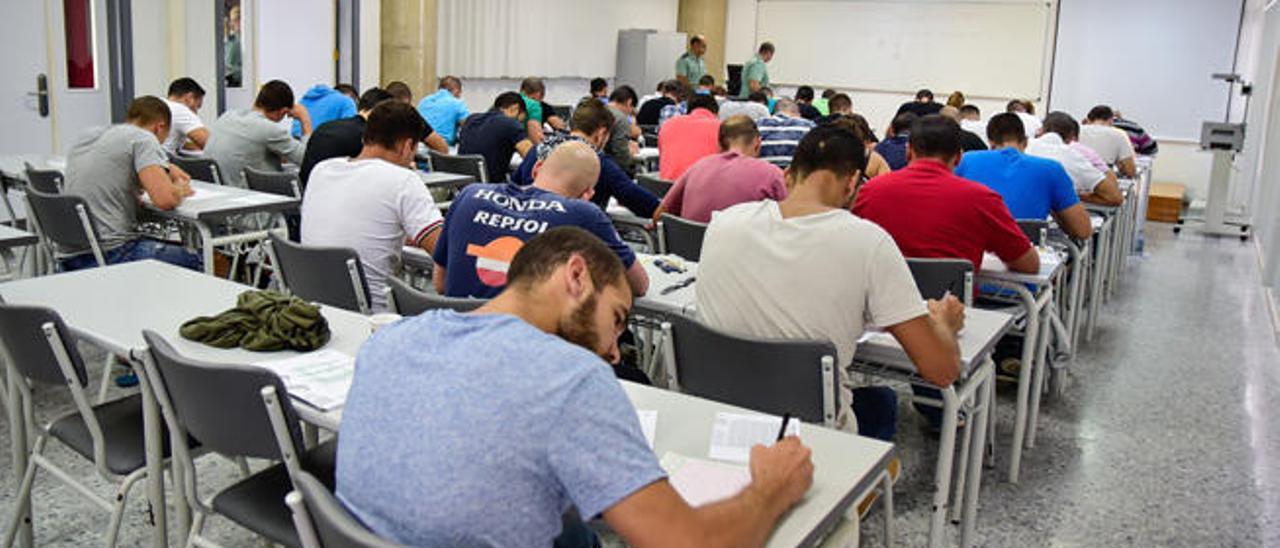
(648, 424)
(702, 482)
(321, 378)
(733, 434)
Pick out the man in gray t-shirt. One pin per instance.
(255, 137)
(621, 147)
(110, 168)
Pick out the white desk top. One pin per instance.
(982, 329)
(680, 301)
(622, 215)
(1051, 261)
(13, 237)
(647, 153)
(216, 201)
(445, 179)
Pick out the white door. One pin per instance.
(77, 91)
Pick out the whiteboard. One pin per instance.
(1154, 70)
(985, 49)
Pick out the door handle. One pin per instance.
(41, 94)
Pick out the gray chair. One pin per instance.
(64, 220)
(462, 164)
(223, 406)
(562, 111)
(281, 183)
(323, 522)
(407, 301)
(48, 181)
(770, 376)
(41, 350)
(1037, 230)
(658, 186)
(200, 169)
(682, 237)
(328, 275)
(937, 277)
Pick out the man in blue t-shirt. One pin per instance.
(444, 110)
(325, 104)
(496, 135)
(512, 418)
(488, 223)
(1032, 188)
(591, 122)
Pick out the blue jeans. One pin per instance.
(137, 250)
(876, 408)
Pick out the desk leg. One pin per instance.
(1098, 279)
(18, 441)
(152, 427)
(886, 485)
(942, 476)
(206, 246)
(975, 466)
(1029, 345)
(1041, 363)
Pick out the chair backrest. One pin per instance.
(64, 219)
(658, 186)
(27, 343)
(462, 164)
(329, 275)
(48, 181)
(332, 524)
(200, 169)
(281, 183)
(221, 404)
(681, 237)
(937, 277)
(650, 133)
(1037, 230)
(770, 376)
(407, 301)
(562, 111)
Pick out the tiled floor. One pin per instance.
(1168, 435)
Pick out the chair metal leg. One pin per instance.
(122, 498)
(970, 502)
(24, 494)
(965, 441)
(886, 483)
(106, 377)
(942, 474)
(197, 525)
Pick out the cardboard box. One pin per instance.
(1165, 202)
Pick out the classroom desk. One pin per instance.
(648, 159)
(623, 218)
(444, 179)
(104, 307)
(214, 203)
(10, 238)
(1103, 226)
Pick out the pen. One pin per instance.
(783, 431)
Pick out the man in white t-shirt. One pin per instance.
(1023, 109)
(807, 268)
(185, 99)
(1056, 135)
(1111, 143)
(374, 203)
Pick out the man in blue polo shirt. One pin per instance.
(1032, 188)
(591, 121)
(496, 135)
(444, 110)
(488, 223)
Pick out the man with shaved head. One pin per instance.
(488, 223)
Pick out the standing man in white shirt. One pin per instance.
(187, 130)
(816, 271)
(374, 203)
(1111, 143)
(1056, 135)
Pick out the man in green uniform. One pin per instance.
(755, 74)
(690, 67)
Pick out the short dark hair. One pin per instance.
(508, 98)
(185, 85)
(828, 93)
(623, 95)
(1015, 105)
(1098, 113)
(532, 85)
(1063, 124)
(903, 122)
(1006, 127)
(758, 97)
(274, 95)
(839, 101)
(737, 128)
(372, 97)
(704, 101)
(935, 136)
(856, 124)
(804, 93)
(392, 122)
(542, 254)
(670, 86)
(599, 84)
(348, 90)
(970, 108)
(924, 94)
(149, 109)
(450, 82)
(589, 116)
(707, 80)
(400, 90)
(766, 47)
(829, 148)
(696, 39)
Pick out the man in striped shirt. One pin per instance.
(782, 132)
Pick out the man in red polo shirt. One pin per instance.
(686, 139)
(931, 213)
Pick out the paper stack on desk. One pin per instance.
(734, 434)
(321, 378)
(701, 481)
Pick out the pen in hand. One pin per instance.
(782, 432)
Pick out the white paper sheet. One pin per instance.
(734, 434)
(321, 378)
(702, 482)
(648, 424)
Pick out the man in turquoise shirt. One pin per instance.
(755, 74)
(691, 67)
(444, 109)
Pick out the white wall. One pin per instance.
(151, 48)
(303, 57)
(199, 61)
(479, 93)
(370, 43)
